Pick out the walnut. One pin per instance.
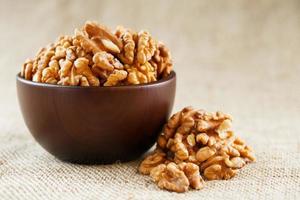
(162, 60)
(65, 68)
(82, 68)
(27, 68)
(177, 178)
(229, 150)
(191, 140)
(236, 162)
(215, 168)
(218, 172)
(180, 150)
(115, 77)
(34, 64)
(148, 70)
(151, 161)
(180, 122)
(90, 46)
(140, 74)
(192, 173)
(71, 53)
(81, 53)
(202, 138)
(162, 141)
(50, 74)
(95, 30)
(45, 59)
(146, 47)
(84, 81)
(106, 61)
(211, 141)
(213, 172)
(186, 125)
(127, 37)
(170, 144)
(65, 81)
(156, 172)
(174, 120)
(216, 159)
(171, 126)
(135, 77)
(245, 152)
(170, 177)
(207, 121)
(110, 46)
(192, 155)
(60, 52)
(187, 120)
(221, 167)
(42, 63)
(228, 173)
(224, 128)
(179, 147)
(102, 74)
(204, 153)
(64, 41)
(71, 79)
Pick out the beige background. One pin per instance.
(241, 57)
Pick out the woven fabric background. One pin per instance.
(241, 57)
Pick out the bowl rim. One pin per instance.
(162, 81)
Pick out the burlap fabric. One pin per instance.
(241, 57)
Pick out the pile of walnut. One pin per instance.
(196, 144)
(95, 56)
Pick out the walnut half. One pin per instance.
(151, 161)
(170, 177)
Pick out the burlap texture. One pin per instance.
(241, 57)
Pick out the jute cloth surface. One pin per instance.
(241, 57)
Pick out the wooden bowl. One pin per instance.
(96, 124)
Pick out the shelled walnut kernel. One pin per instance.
(195, 144)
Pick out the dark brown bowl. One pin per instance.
(96, 124)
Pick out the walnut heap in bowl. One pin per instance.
(98, 96)
(95, 56)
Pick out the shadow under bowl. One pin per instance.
(91, 125)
